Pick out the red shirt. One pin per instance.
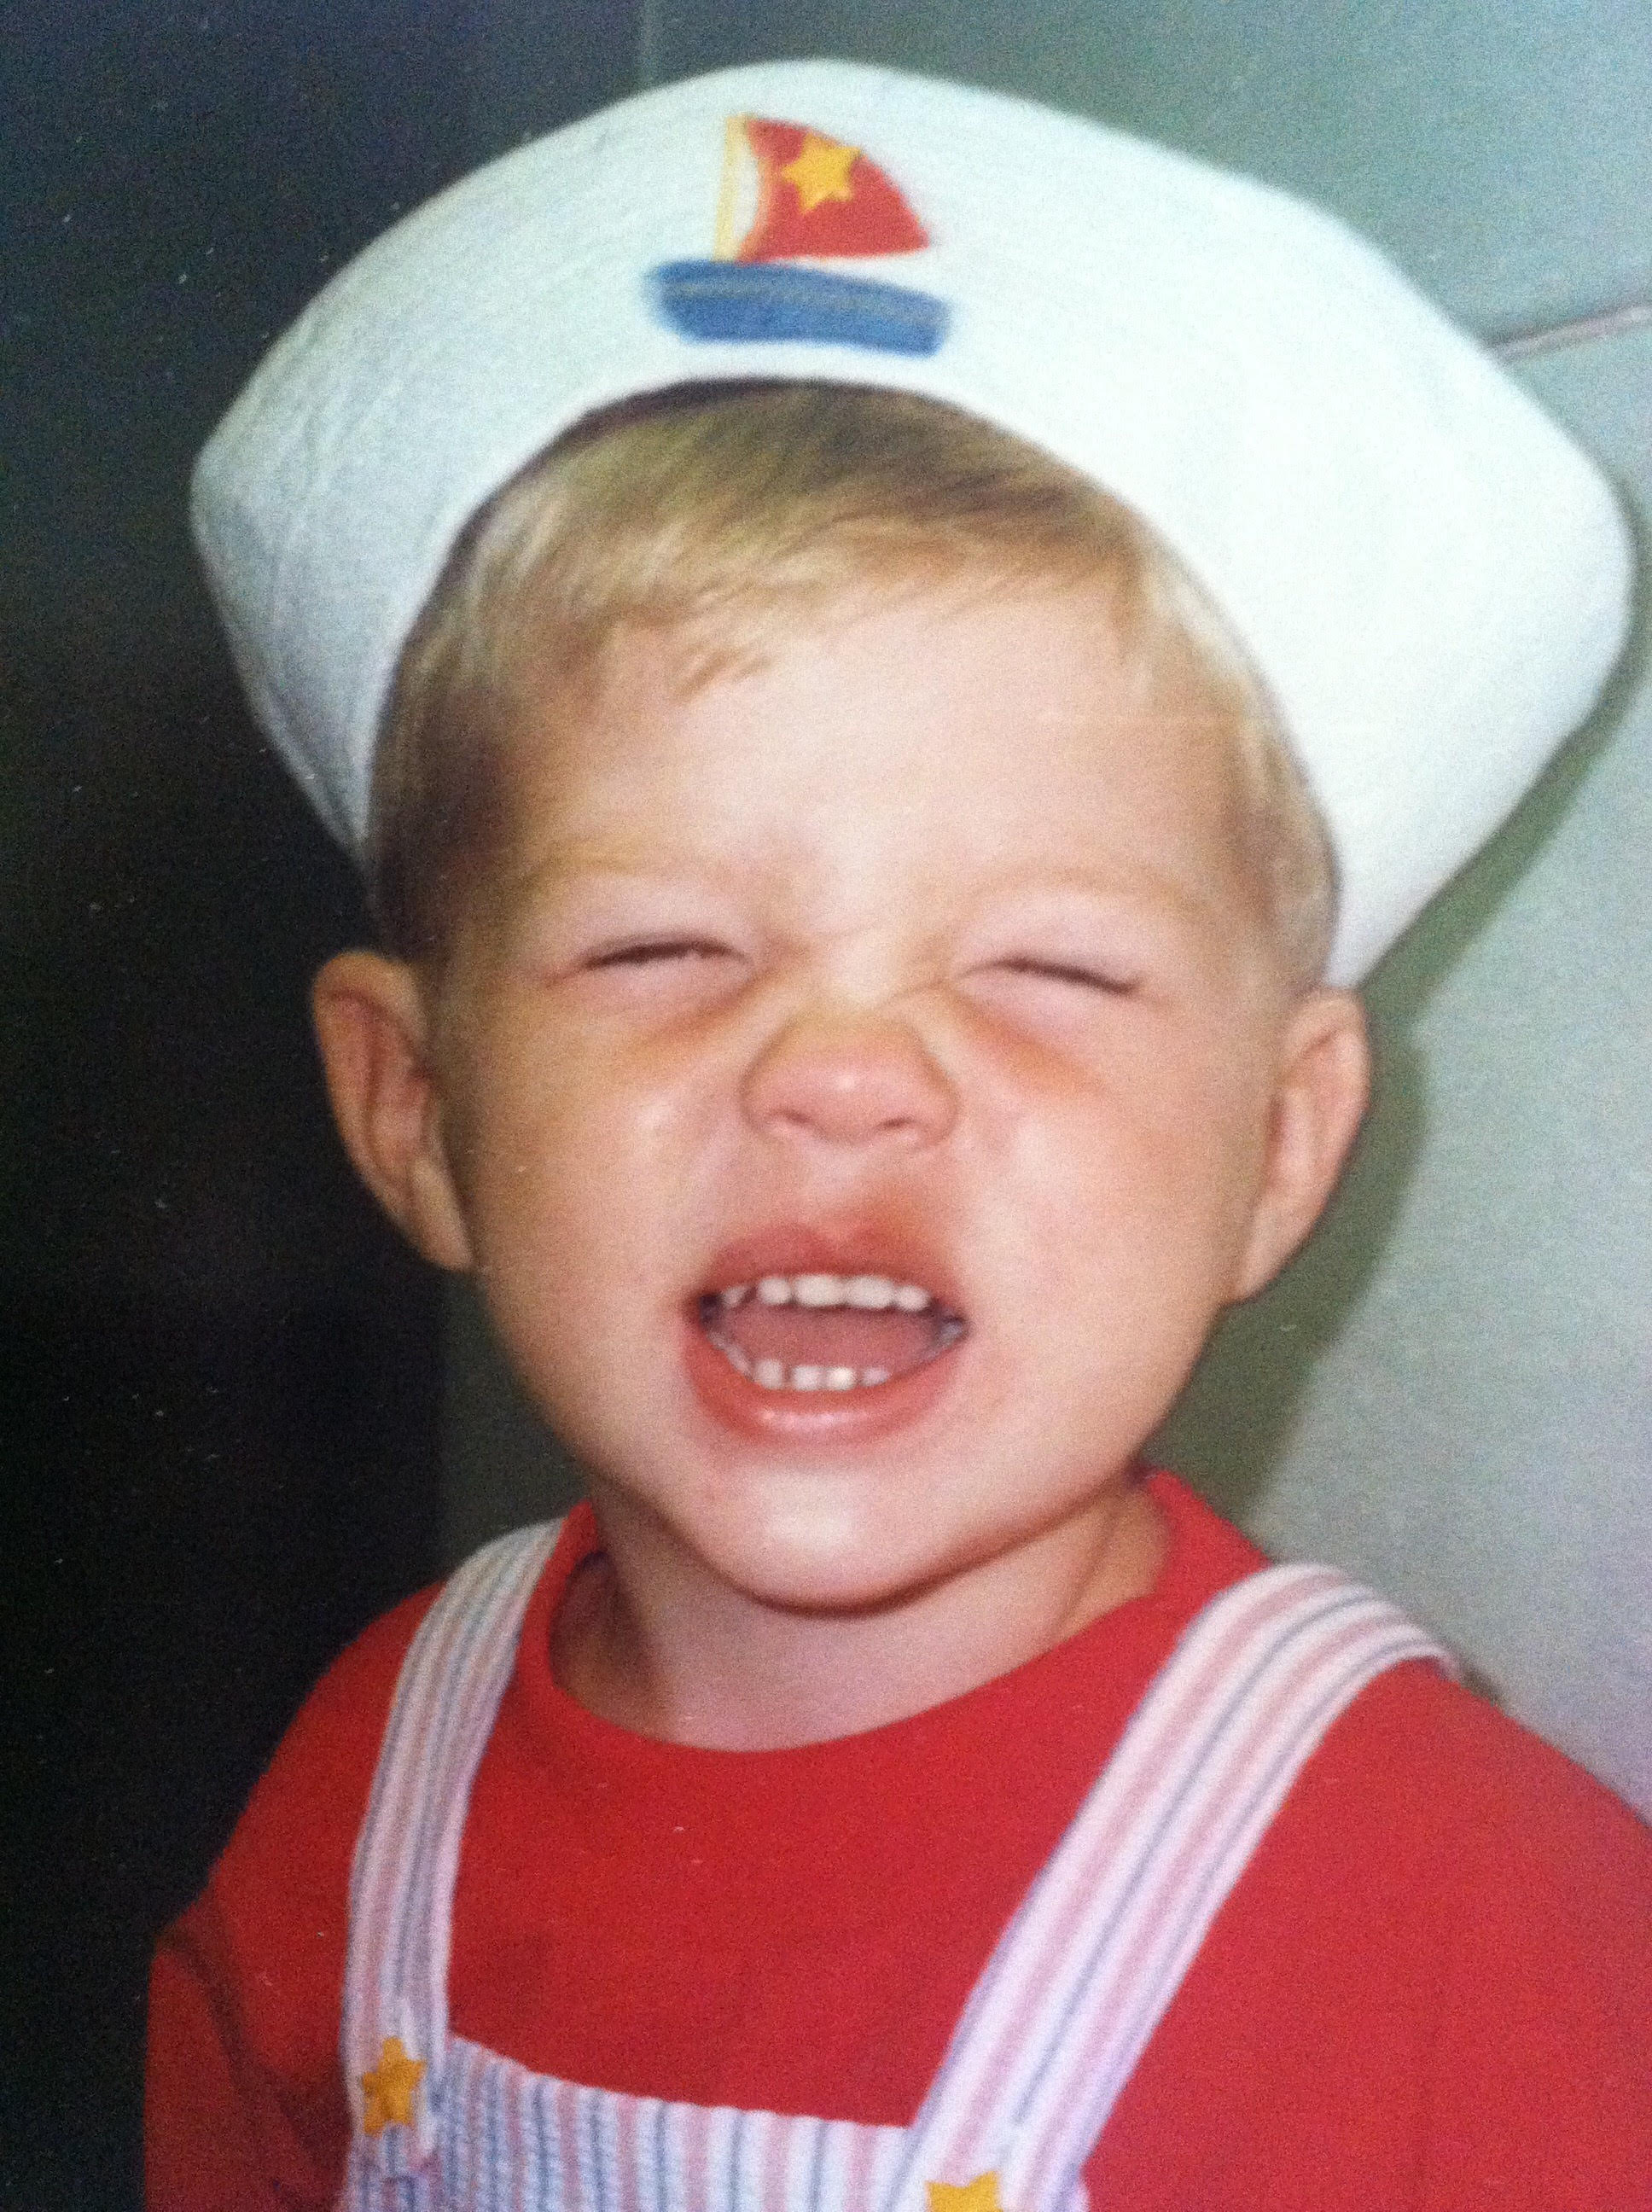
(1431, 1988)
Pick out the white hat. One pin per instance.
(1431, 580)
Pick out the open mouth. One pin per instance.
(820, 1332)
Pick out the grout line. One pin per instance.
(647, 42)
(1610, 323)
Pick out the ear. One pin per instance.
(1320, 1098)
(373, 1026)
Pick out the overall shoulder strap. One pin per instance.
(1097, 1951)
(393, 2038)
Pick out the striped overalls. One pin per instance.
(1061, 2012)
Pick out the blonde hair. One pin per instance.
(724, 512)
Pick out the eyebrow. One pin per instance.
(598, 856)
(1150, 886)
(624, 858)
(557, 867)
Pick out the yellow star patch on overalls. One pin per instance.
(390, 2088)
(980, 2194)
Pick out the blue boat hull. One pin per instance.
(770, 301)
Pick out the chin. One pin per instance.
(807, 1552)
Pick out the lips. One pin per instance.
(798, 1331)
(820, 1330)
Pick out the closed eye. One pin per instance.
(654, 949)
(1063, 971)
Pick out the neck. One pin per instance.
(649, 1638)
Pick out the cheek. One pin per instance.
(579, 1158)
(1152, 1165)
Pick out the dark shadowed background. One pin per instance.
(220, 1382)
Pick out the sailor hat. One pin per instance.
(1430, 579)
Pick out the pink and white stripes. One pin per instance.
(1086, 1969)
(407, 1854)
(522, 2140)
(1066, 2005)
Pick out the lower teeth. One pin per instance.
(772, 1373)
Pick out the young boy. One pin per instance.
(854, 740)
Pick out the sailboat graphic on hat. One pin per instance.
(791, 198)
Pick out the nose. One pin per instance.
(849, 1079)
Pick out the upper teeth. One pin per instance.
(871, 1293)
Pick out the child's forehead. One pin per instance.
(861, 667)
(1024, 731)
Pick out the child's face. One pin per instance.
(918, 951)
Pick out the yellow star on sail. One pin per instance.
(820, 170)
(390, 2088)
(980, 2194)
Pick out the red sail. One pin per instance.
(816, 196)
